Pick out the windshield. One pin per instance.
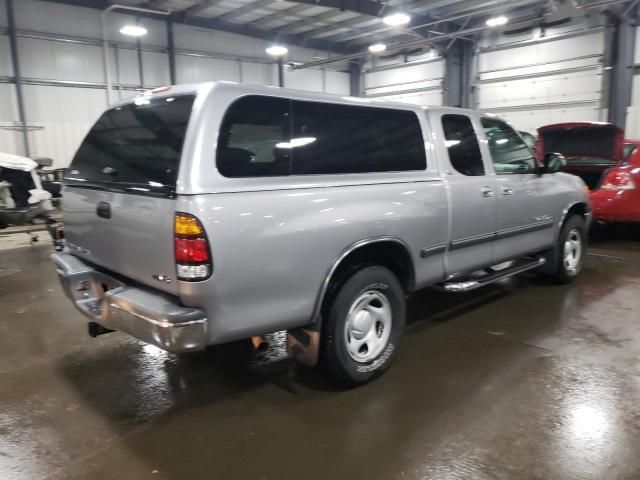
(134, 147)
(628, 150)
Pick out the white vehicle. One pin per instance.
(22, 197)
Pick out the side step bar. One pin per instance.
(473, 283)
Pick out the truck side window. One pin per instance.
(509, 153)
(252, 134)
(462, 144)
(331, 138)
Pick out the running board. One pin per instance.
(472, 284)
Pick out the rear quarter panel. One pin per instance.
(272, 250)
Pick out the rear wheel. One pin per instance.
(569, 251)
(363, 326)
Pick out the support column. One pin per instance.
(356, 78)
(619, 48)
(17, 77)
(280, 72)
(171, 52)
(140, 64)
(458, 75)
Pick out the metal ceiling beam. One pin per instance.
(250, 7)
(367, 7)
(183, 17)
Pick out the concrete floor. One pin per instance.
(521, 380)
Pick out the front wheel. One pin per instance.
(363, 327)
(570, 250)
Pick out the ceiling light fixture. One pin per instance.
(277, 50)
(497, 21)
(396, 19)
(377, 47)
(133, 30)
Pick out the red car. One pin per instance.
(608, 164)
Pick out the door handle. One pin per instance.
(506, 190)
(486, 192)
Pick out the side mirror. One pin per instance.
(43, 161)
(554, 162)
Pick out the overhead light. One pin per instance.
(497, 21)
(133, 30)
(396, 19)
(377, 47)
(277, 50)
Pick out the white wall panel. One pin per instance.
(337, 82)
(10, 140)
(201, 69)
(127, 71)
(306, 79)
(552, 51)
(5, 57)
(417, 84)
(259, 73)
(530, 120)
(66, 115)
(60, 61)
(156, 69)
(541, 83)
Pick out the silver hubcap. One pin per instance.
(572, 252)
(368, 326)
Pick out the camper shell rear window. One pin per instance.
(134, 147)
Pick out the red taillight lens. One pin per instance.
(190, 250)
(193, 260)
(617, 179)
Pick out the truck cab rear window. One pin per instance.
(264, 136)
(136, 147)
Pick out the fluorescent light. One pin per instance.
(277, 50)
(133, 30)
(396, 19)
(296, 142)
(377, 47)
(502, 141)
(451, 143)
(497, 21)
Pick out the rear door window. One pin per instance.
(462, 144)
(136, 147)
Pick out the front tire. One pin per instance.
(570, 250)
(363, 327)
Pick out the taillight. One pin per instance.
(193, 260)
(616, 179)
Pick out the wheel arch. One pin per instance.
(581, 208)
(389, 252)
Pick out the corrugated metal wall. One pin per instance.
(543, 82)
(62, 113)
(418, 82)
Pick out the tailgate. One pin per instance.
(136, 240)
(119, 192)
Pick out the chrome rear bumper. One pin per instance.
(149, 315)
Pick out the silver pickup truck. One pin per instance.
(202, 214)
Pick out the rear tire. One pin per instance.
(569, 251)
(363, 327)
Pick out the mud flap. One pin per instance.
(303, 344)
